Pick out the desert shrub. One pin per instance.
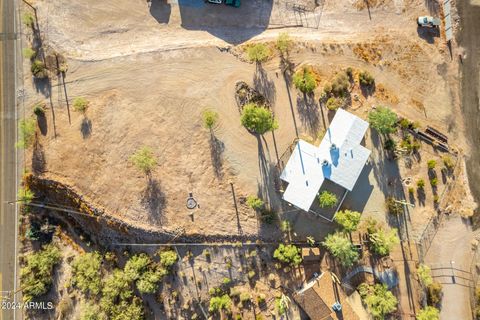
(86, 272)
(379, 300)
(327, 199)
(27, 128)
(28, 19)
(448, 162)
(220, 303)
(424, 275)
(434, 182)
(90, 311)
(390, 144)
(409, 144)
(38, 69)
(420, 183)
(286, 226)
(341, 248)
(348, 219)
(258, 119)
(366, 79)
(226, 281)
(411, 190)
(383, 120)
(282, 304)
(434, 295)
(144, 272)
(431, 164)
(268, 216)
(261, 299)
(382, 242)
(251, 274)
(284, 43)
(436, 198)
(144, 160)
(333, 103)
(340, 85)
(25, 195)
(80, 104)
(428, 313)
(254, 202)
(393, 207)
(404, 123)
(289, 254)
(304, 80)
(327, 88)
(245, 297)
(37, 274)
(210, 118)
(349, 72)
(168, 258)
(116, 287)
(258, 52)
(38, 110)
(29, 53)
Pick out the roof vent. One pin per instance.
(333, 146)
(325, 163)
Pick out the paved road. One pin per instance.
(7, 156)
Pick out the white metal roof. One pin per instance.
(305, 170)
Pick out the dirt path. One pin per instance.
(450, 256)
(470, 41)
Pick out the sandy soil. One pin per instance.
(143, 92)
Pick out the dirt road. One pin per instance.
(470, 41)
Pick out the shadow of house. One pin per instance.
(358, 198)
(160, 10)
(233, 25)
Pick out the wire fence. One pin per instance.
(474, 273)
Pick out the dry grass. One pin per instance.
(368, 52)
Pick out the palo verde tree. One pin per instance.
(144, 160)
(284, 44)
(383, 120)
(254, 202)
(304, 80)
(80, 104)
(86, 272)
(289, 254)
(145, 273)
(327, 199)
(424, 274)
(428, 313)
(379, 300)
(382, 242)
(341, 248)
(348, 219)
(210, 119)
(258, 52)
(258, 119)
(25, 195)
(282, 304)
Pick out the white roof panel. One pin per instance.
(305, 170)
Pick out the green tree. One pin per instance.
(86, 272)
(29, 53)
(80, 104)
(382, 242)
(254, 202)
(366, 79)
(210, 118)
(341, 248)
(434, 291)
(284, 43)
(38, 69)
(90, 312)
(258, 119)
(136, 266)
(348, 219)
(424, 275)
(431, 164)
(149, 280)
(220, 303)
(116, 287)
(128, 310)
(28, 19)
(379, 300)
(288, 254)
(37, 274)
(327, 199)
(144, 160)
(25, 195)
(383, 120)
(168, 258)
(428, 313)
(27, 128)
(258, 53)
(282, 304)
(304, 80)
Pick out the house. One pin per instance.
(340, 158)
(318, 297)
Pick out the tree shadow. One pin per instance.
(42, 124)
(263, 85)
(43, 86)
(38, 158)
(154, 200)
(367, 90)
(160, 10)
(86, 128)
(216, 153)
(308, 112)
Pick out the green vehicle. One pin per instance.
(233, 3)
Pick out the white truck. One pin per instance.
(428, 21)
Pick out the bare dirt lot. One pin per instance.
(148, 81)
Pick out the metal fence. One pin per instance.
(474, 273)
